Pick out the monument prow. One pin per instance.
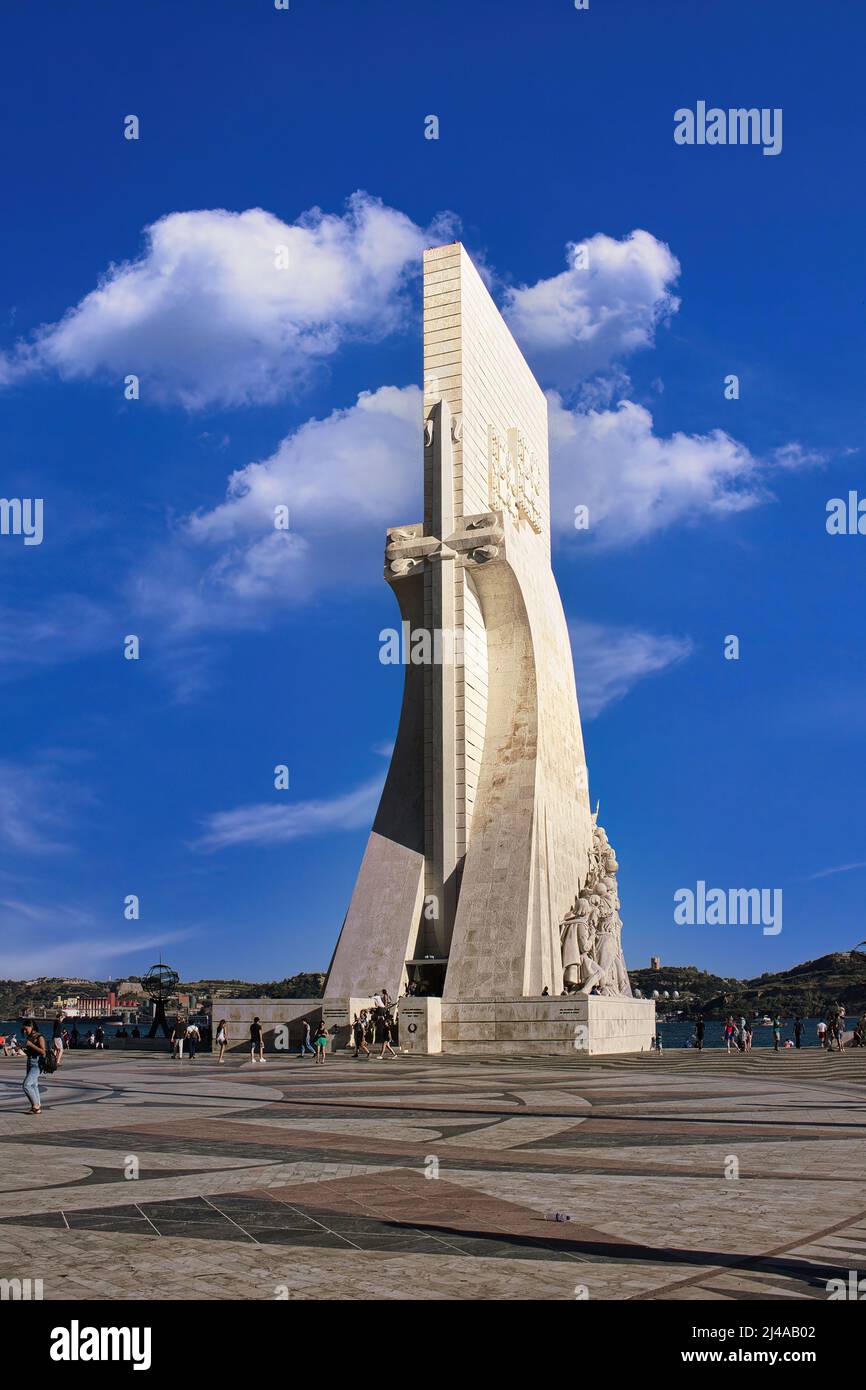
(485, 881)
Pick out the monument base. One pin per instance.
(568, 1025)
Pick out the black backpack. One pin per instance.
(48, 1062)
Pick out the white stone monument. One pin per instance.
(486, 883)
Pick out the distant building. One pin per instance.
(97, 1006)
(655, 962)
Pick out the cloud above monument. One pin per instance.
(236, 308)
(605, 305)
(609, 661)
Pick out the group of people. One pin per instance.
(185, 1035)
(833, 1031)
(737, 1034)
(375, 1025)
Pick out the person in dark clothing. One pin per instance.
(57, 1038)
(257, 1040)
(358, 1031)
(306, 1047)
(699, 1033)
(387, 1031)
(798, 1030)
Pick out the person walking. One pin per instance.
(748, 1034)
(57, 1038)
(822, 1033)
(193, 1038)
(320, 1041)
(176, 1039)
(306, 1046)
(76, 1036)
(729, 1033)
(699, 1033)
(34, 1051)
(358, 1034)
(777, 1032)
(387, 1029)
(222, 1038)
(798, 1031)
(257, 1040)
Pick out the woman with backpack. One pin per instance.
(37, 1057)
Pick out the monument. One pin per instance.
(487, 888)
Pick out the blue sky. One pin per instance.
(708, 515)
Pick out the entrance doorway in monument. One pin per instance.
(426, 975)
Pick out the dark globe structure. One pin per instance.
(160, 982)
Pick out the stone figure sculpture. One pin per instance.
(592, 955)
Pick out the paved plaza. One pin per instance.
(291, 1180)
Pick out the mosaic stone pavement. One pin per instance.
(291, 1180)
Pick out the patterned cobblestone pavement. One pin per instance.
(430, 1178)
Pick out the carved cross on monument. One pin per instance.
(439, 557)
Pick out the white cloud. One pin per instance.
(271, 823)
(344, 479)
(840, 869)
(355, 466)
(607, 304)
(39, 802)
(42, 939)
(636, 483)
(609, 661)
(205, 315)
(61, 628)
(795, 457)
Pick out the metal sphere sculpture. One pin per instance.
(160, 982)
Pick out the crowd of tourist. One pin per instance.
(371, 1028)
(738, 1033)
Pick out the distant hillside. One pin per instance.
(304, 986)
(18, 997)
(808, 989)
